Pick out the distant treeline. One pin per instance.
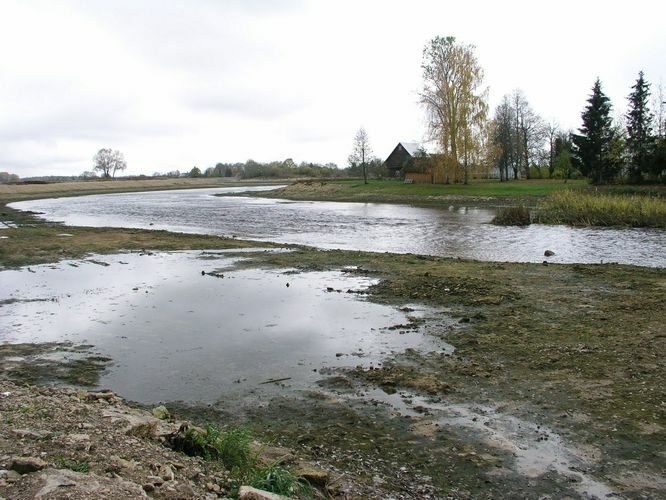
(278, 169)
(249, 170)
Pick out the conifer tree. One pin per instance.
(640, 140)
(593, 144)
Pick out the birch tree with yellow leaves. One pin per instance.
(456, 104)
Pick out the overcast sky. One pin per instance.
(177, 84)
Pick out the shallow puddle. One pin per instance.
(188, 326)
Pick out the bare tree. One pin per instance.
(530, 130)
(552, 130)
(361, 152)
(109, 161)
(455, 103)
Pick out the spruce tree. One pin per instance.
(640, 141)
(592, 145)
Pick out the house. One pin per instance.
(410, 160)
(398, 158)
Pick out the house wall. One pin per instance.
(419, 178)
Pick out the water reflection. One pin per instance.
(175, 334)
(449, 231)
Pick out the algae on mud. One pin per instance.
(51, 362)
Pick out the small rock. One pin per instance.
(314, 476)
(548, 253)
(10, 476)
(29, 434)
(156, 480)
(26, 465)
(166, 473)
(104, 396)
(120, 463)
(250, 493)
(148, 487)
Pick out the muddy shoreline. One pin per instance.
(555, 386)
(542, 355)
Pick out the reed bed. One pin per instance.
(578, 208)
(512, 216)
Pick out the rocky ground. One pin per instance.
(68, 443)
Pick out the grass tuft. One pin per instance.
(232, 448)
(278, 480)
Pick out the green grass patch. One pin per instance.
(277, 479)
(541, 187)
(233, 449)
(603, 209)
(81, 466)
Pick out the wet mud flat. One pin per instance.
(494, 380)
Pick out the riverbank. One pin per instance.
(20, 191)
(478, 193)
(553, 365)
(551, 201)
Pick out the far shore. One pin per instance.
(29, 191)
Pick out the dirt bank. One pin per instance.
(68, 443)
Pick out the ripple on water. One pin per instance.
(448, 231)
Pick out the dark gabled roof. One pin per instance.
(412, 148)
(397, 156)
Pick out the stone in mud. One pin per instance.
(11, 476)
(56, 483)
(313, 475)
(26, 465)
(166, 473)
(250, 493)
(30, 434)
(139, 424)
(104, 395)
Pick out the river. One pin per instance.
(450, 231)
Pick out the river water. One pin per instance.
(448, 231)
